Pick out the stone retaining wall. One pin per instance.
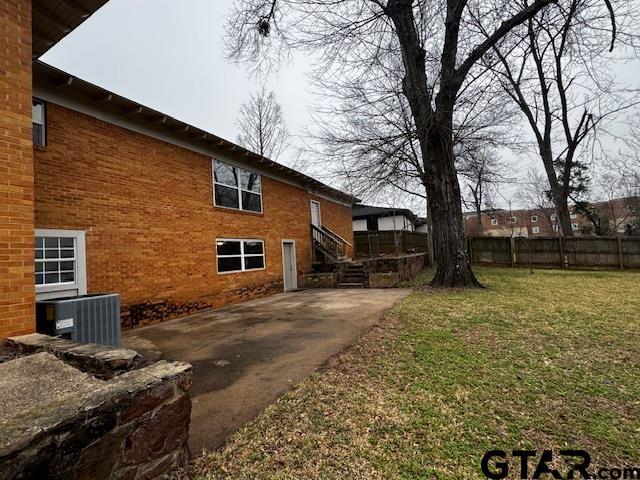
(57, 422)
(407, 267)
(384, 280)
(99, 360)
(317, 280)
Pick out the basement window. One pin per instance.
(60, 263)
(38, 118)
(55, 260)
(236, 188)
(239, 255)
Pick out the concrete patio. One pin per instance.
(246, 355)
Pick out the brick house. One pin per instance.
(101, 194)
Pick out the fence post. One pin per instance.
(512, 250)
(620, 253)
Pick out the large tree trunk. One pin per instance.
(561, 203)
(559, 196)
(435, 134)
(453, 268)
(479, 224)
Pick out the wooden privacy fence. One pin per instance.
(575, 252)
(374, 244)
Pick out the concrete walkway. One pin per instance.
(246, 355)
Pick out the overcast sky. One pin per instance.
(169, 57)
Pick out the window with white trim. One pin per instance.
(556, 228)
(239, 255)
(534, 218)
(39, 120)
(574, 216)
(574, 226)
(554, 217)
(55, 260)
(236, 188)
(535, 229)
(494, 221)
(60, 263)
(513, 220)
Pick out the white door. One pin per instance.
(315, 214)
(289, 269)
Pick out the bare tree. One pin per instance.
(557, 73)
(439, 44)
(534, 195)
(614, 206)
(481, 172)
(262, 126)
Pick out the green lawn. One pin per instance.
(543, 360)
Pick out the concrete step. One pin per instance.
(351, 285)
(351, 279)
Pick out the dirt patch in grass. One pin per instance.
(547, 360)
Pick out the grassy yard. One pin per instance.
(543, 360)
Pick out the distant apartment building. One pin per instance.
(620, 216)
(514, 223)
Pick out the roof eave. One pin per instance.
(48, 78)
(52, 20)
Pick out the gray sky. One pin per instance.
(168, 55)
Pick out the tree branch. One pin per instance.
(504, 28)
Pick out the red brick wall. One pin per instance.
(16, 170)
(151, 225)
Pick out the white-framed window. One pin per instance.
(534, 218)
(239, 255)
(39, 122)
(574, 226)
(556, 228)
(535, 229)
(236, 188)
(513, 220)
(574, 216)
(494, 221)
(60, 264)
(554, 217)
